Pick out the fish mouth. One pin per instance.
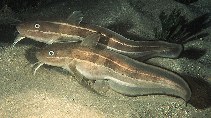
(36, 66)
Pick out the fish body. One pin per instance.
(74, 31)
(124, 75)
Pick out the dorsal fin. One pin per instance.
(75, 18)
(91, 40)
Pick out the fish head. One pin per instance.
(42, 31)
(56, 54)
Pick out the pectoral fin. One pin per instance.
(75, 18)
(91, 40)
(70, 70)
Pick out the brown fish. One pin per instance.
(74, 31)
(124, 75)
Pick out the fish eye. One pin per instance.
(51, 53)
(37, 26)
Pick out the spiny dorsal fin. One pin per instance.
(76, 17)
(91, 40)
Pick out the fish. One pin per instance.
(73, 30)
(124, 75)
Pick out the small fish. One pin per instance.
(75, 31)
(124, 75)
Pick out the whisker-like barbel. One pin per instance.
(39, 64)
(17, 39)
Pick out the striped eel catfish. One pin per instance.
(73, 31)
(123, 74)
